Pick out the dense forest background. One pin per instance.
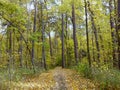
(43, 34)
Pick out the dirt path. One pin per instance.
(56, 79)
(59, 77)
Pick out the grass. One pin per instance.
(17, 74)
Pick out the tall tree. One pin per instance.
(50, 43)
(20, 46)
(87, 34)
(33, 41)
(74, 33)
(43, 37)
(63, 59)
(94, 31)
(112, 25)
(66, 37)
(118, 9)
(10, 54)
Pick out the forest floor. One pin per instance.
(55, 79)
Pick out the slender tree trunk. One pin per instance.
(74, 34)
(10, 55)
(87, 35)
(56, 42)
(50, 43)
(102, 46)
(63, 59)
(43, 39)
(1, 51)
(28, 27)
(95, 32)
(13, 49)
(21, 52)
(118, 32)
(33, 41)
(112, 25)
(66, 22)
(93, 48)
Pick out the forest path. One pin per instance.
(56, 79)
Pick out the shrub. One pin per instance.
(83, 69)
(105, 78)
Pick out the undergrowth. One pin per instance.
(104, 77)
(17, 74)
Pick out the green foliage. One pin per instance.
(83, 69)
(18, 74)
(13, 13)
(22, 20)
(106, 78)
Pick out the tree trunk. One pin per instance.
(20, 52)
(93, 48)
(74, 34)
(118, 32)
(43, 39)
(13, 49)
(63, 59)
(50, 43)
(66, 39)
(10, 55)
(95, 32)
(102, 46)
(87, 35)
(33, 42)
(112, 25)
